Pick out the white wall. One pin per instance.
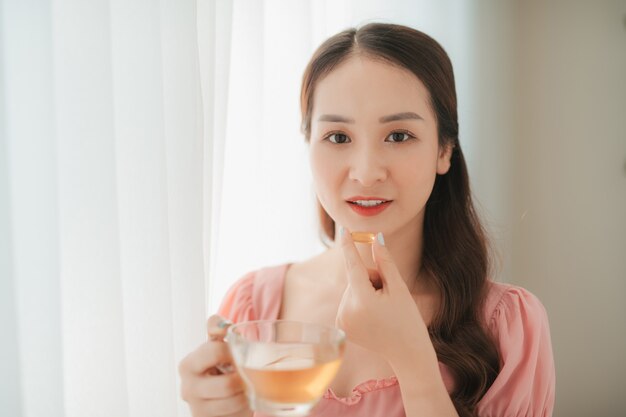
(546, 149)
(568, 206)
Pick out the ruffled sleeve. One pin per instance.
(237, 304)
(526, 382)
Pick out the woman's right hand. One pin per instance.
(207, 390)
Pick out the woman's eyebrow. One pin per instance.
(400, 116)
(334, 118)
(385, 119)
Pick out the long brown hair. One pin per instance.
(455, 251)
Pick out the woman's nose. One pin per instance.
(367, 166)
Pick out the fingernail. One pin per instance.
(224, 323)
(342, 231)
(380, 239)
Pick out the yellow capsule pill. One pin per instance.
(363, 237)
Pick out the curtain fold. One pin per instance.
(31, 275)
(93, 338)
(185, 166)
(214, 23)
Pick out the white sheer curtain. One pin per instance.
(150, 155)
(102, 206)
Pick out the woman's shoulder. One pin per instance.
(509, 300)
(255, 295)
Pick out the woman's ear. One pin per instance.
(443, 161)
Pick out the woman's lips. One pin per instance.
(369, 211)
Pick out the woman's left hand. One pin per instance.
(384, 319)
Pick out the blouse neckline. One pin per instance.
(362, 388)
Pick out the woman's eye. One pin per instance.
(398, 137)
(338, 138)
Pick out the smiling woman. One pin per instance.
(377, 140)
(428, 332)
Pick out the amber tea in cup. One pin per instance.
(286, 365)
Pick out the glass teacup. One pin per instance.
(286, 365)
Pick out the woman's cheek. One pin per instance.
(324, 163)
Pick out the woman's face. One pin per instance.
(373, 147)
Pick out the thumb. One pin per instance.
(385, 264)
(217, 326)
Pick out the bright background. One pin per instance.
(150, 155)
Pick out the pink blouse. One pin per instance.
(515, 317)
